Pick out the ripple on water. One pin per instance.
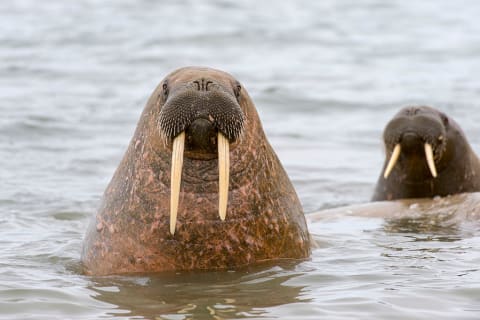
(325, 75)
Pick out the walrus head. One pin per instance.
(200, 118)
(418, 136)
(427, 154)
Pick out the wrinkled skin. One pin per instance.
(457, 165)
(264, 221)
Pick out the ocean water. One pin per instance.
(326, 76)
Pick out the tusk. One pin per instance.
(176, 178)
(430, 161)
(393, 160)
(223, 174)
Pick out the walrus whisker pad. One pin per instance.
(180, 111)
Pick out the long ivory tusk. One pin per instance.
(430, 161)
(223, 174)
(393, 160)
(176, 178)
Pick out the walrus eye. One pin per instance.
(237, 90)
(444, 119)
(165, 90)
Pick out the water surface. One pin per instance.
(325, 75)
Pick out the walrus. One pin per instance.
(199, 188)
(428, 155)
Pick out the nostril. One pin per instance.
(413, 111)
(202, 84)
(199, 85)
(206, 85)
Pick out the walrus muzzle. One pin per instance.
(203, 118)
(414, 133)
(396, 154)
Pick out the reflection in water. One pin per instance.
(442, 226)
(424, 243)
(191, 295)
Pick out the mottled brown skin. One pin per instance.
(130, 232)
(457, 165)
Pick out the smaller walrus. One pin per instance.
(199, 187)
(428, 156)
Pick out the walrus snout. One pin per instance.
(206, 99)
(200, 119)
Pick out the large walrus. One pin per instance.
(198, 188)
(427, 155)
